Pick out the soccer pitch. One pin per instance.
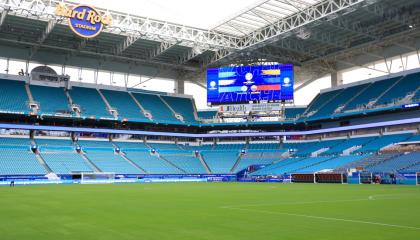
(213, 211)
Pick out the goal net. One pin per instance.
(96, 178)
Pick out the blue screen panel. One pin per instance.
(249, 84)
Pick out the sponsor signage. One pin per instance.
(83, 20)
(412, 105)
(249, 108)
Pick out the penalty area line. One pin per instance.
(325, 218)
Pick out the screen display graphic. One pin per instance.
(249, 84)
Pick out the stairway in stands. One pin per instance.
(370, 161)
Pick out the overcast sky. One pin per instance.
(198, 13)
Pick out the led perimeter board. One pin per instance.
(249, 84)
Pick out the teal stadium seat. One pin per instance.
(52, 100)
(183, 106)
(125, 105)
(152, 103)
(90, 102)
(19, 162)
(13, 97)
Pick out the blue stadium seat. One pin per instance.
(257, 158)
(348, 143)
(371, 92)
(321, 99)
(186, 162)
(90, 102)
(125, 105)
(19, 162)
(52, 100)
(13, 97)
(406, 162)
(343, 96)
(152, 103)
(331, 163)
(210, 114)
(406, 85)
(63, 162)
(152, 164)
(220, 161)
(108, 161)
(382, 141)
(293, 112)
(183, 106)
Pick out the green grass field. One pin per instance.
(210, 211)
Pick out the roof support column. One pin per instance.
(179, 86)
(336, 78)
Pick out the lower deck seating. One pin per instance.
(403, 162)
(152, 164)
(331, 164)
(256, 158)
(107, 161)
(369, 161)
(65, 162)
(18, 162)
(220, 162)
(189, 164)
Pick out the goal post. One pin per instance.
(97, 177)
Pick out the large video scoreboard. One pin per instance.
(249, 84)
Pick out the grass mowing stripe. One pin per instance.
(325, 218)
(369, 198)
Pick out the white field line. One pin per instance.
(326, 218)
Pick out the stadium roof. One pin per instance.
(320, 36)
(261, 14)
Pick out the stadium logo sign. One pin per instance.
(84, 21)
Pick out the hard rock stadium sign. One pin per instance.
(84, 21)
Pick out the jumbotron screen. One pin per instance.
(249, 84)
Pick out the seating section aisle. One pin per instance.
(153, 104)
(125, 105)
(90, 102)
(183, 106)
(257, 158)
(383, 141)
(343, 96)
(52, 100)
(346, 144)
(187, 163)
(108, 161)
(332, 163)
(321, 100)
(152, 164)
(65, 162)
(371, 92)
(406, 85)
(404, 162)
(220, 161)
